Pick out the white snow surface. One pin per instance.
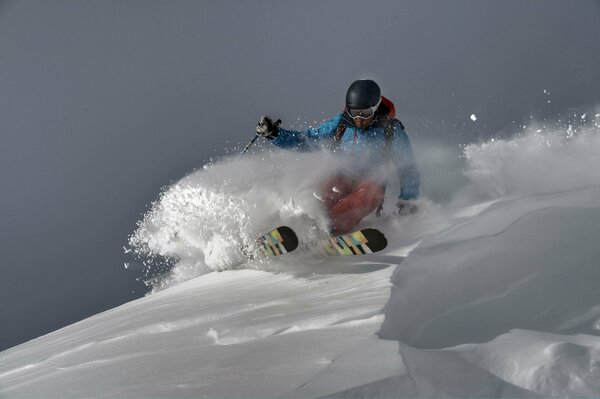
(495, 293)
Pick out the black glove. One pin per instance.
(406, 207)
(267, 128)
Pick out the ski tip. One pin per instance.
(289, 238)
(375, 238)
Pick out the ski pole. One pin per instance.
(250, 143)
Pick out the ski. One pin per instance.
(283, 240)
(360, 242)
(278, 242)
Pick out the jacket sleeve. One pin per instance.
(404, 160)
(305, 139)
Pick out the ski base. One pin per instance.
(283, 240)
(278, 242)
(360, 242)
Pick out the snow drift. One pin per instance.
(498, 296)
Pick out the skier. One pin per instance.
(366, 127)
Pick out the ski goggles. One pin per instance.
(363, 113)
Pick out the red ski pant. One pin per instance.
(349, 200)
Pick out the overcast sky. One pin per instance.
(102, 103)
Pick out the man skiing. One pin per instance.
(367, 130)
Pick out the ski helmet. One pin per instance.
(363, 94)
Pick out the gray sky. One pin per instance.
(104, 102)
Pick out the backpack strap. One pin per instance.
(339, 132)
(345, 120)
(387, 123)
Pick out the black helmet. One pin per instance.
(363, 94)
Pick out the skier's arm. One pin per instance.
(302, 140)
(404, 160)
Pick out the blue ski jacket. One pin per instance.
(369, 143)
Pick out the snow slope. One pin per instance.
(232, 334)
(498, 297)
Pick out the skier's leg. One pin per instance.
(348, 212)
(335, 189)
